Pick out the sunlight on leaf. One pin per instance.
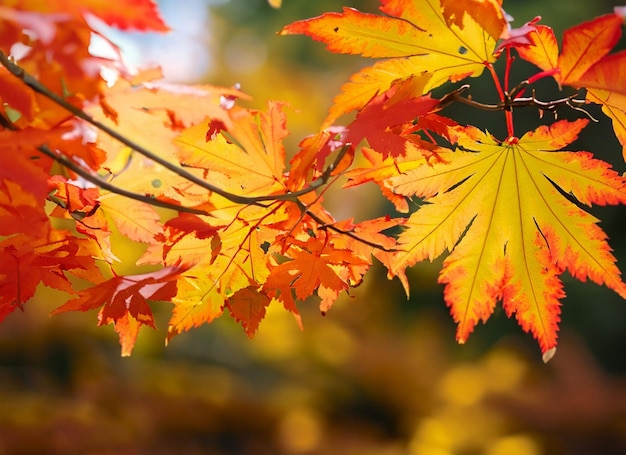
(516, 233)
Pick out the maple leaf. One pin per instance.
(136, 220)
(501, 211)
(370, 231)
(82, 205)
(143, 15)
(487, 13)
(252, 156)
(313, 267)
(13, 94)
(248, 307)
(584, 61)
(26, 261)
(152, 116)
(242, 149)
(124, 302)
(219, 262)
(414, 35)
(20, 211)
(398, 111)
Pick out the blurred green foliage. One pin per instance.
(377, 375)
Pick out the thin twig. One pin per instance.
(511, 101)
(112, 188)
(35, 85)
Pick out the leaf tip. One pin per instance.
(547, 356)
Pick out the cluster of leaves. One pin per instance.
(230, 224)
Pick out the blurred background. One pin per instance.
(379, 374)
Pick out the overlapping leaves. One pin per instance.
(246, 228)
(419, 38)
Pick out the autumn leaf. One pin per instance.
(124, 301)
(152, 116)
(487, 13)
(27, 261)
(313, 267)
(252, 154)
(248, 307)
(414, 35)
(20, 211)
(219, 261)
(585, 62)
(585, 44)
(369, 240)
(386, 137)
(542, 49)
(500, 210)
(143, 15)
(136, 220)
(13, 94)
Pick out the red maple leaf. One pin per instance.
(125, 299)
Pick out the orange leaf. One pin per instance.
(607, 74)
(26, 261)
(314, 267)
(251, 155)
(585, 44)
(124, 300)
(543, 49)
(127, 328)
(584, 62)
(20, 211)
(135, 219)
(16, 95)
(141, 15)
(248, 306)
(487, 13)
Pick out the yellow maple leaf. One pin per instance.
(414, 35)
(251, 154)
(504, 210)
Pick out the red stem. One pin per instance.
(507, 69)
(508, 114)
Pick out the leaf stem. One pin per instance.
(504, 98)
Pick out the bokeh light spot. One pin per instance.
(299, 431)
(513, 445)
(463, 385)
(333, 344)
(504, 371)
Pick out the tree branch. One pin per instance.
(112, 188)
(511, 101)
(35, 85)
(294, 196)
